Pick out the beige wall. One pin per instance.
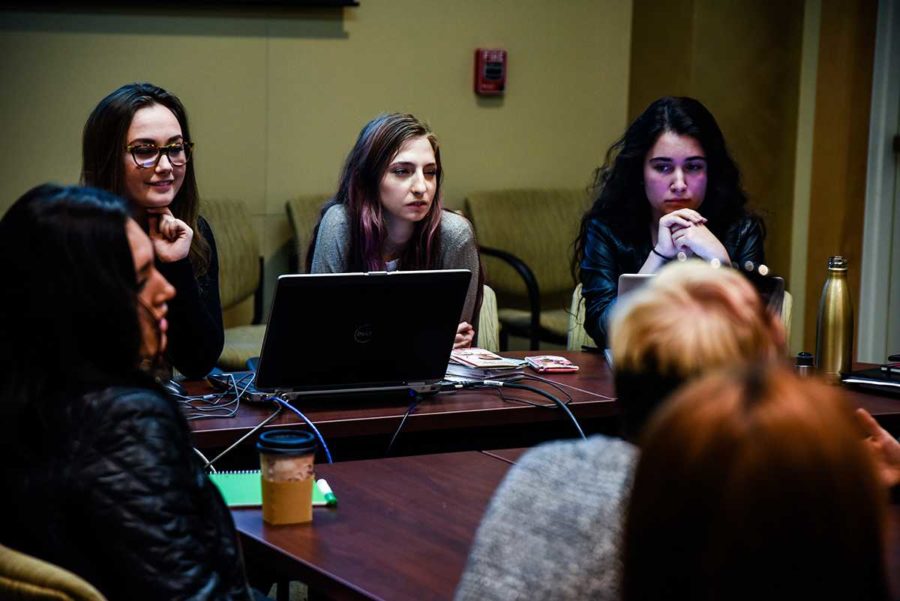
(276, 101)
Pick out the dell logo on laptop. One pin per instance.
(364, 333)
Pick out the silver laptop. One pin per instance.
(361, 332)
(770, 289)
(628, 282)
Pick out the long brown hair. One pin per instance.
(103, 143)
(378, 143)
(755, 484)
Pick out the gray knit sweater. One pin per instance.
(458, 249)
(553, 528)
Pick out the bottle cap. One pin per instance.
(286, 442)
(804, 359)
(837, 263)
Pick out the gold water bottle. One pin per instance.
(834, 328)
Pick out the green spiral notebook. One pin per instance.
(243, 489)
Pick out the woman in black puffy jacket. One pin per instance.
(98, 474)
(668, 189)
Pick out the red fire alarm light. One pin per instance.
(490, 71)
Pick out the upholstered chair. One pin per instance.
(525, 238)
(27, 578)
(240, 280)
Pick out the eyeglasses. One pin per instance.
(148, 155)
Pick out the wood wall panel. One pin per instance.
(840, 146)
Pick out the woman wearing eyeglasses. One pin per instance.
(137, 144)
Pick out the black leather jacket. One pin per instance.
(607, 256)
(114, 493)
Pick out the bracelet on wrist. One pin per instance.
(660, 255)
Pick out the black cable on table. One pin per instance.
(412, 407)
(559, 403)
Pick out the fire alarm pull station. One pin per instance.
(490, 71)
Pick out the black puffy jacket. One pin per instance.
(113, 492)
(607, 256)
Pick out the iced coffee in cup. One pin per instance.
(287, 464)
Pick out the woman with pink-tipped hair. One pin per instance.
(387, 213)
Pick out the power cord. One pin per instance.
(560, 385)
(284, 403)
(205, 406)
(412, 407)
(256, 428)
(559, 403)
(206, 462)
(512, 399)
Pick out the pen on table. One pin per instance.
(330, 499)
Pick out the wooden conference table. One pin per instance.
(461, 420)
(464, 420)
(404, 525)
(402, 529)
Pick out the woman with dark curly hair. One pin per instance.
(669, 188)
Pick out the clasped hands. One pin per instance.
(171, 236)
(685, 231)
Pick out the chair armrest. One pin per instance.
(531, 285)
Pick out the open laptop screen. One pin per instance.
(770, 288)
(335, 332)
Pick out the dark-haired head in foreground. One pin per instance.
(72, 320)
(99, 476)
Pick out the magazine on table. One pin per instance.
(464, 373)
(477, 357)
(550, 364)
(475, 364)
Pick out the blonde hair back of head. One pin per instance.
(690, 318)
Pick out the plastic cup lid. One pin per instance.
(286, 442)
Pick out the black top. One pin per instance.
(109, 488)
(607, 256)
(196, 335)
